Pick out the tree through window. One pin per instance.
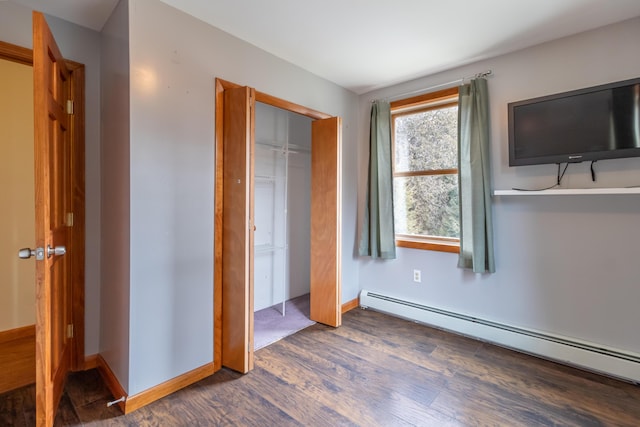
(425, 171)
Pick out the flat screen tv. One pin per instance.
(601, 122)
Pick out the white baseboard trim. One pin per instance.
(612, 362)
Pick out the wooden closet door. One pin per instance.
(237, 233)
(53, 203)
(326, 287)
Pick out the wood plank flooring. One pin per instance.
(375, 370)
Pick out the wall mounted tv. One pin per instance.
(601, 122)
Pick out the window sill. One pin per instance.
(433, 245)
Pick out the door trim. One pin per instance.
(24, 56)
(290, 106)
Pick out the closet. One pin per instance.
(273, 243)
(282, 194)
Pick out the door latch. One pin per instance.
(26, 253)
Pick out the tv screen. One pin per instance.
(596, 123)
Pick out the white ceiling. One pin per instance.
(88, 13)
(367, 44)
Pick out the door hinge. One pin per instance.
(70, 330)
(69, 220)
(69, 106)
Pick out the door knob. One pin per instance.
(57, 251)
(26, 253)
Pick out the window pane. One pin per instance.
(426, 140)
(427, 205)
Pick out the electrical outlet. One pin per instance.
(417, 276)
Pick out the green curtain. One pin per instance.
(377, 237)
(474, 178)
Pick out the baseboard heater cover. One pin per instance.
(590, 356)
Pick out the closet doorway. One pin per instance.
(282, 197)
(236, 227)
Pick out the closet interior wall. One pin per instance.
(282, 206)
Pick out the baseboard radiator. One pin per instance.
(617, 363)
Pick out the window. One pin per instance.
(425, 171)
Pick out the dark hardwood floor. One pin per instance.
(375, 370)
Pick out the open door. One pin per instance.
(326, 289)
(237, 229)
(52, 90)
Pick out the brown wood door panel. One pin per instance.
(52, 89)
(237, 230)
(326, 289)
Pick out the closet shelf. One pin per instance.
(301, 148)
(270, 143)
(264, 249)
(265, 178)
(569, 191)
(279, 146)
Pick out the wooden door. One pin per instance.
(237, 229)
(53, 202)
(326, 288)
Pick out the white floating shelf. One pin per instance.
(568, 191)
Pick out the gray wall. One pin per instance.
(82, 45)
(115, 226)
(565, 265)
(171, 200)
(299, 207)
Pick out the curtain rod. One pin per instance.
(485, 73)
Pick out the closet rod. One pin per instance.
(416, 92)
